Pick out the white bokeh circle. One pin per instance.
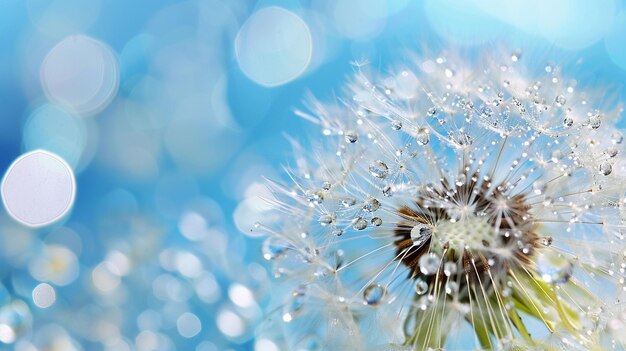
(38, 188)
(274, 46)
(81, 74)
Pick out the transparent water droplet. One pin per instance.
(612, 151)
(421, 286)
(371, 205)
(460, 179)
(422, 137)
(425, 302)
(595, 121)
(449, 268)
(420, 233)
(464, 139)
(560, 100)
(539, 187)
(548, 68)
(348, 201)
(387, 191)
(273, 248)
(616, 138)
(451, 287)
(486, 112)
(606, 168)
(326, 186)
(359, 223)
(568, 121)
(337, 232)
(314, 196)
(294, 306)
(516, 55)
(429, 263)
(379, 169)
(351, 136)
(374, 294)
(326, 219)
(546, 240)
(396, 125)
(553, 267)
(376, 221)
(432, 111)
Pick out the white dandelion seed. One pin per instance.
(476, 208)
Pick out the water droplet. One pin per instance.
(359, 223)
(612, 151)
(348, 201)
(616, 138)
(293, 308)
(568, 121)
(546, 240)
(464, 139)
(553, 267)
(539, 187)
(548, 68)
(377, 221)
(396, 125)
(337, 232)
(432, 111)
(421, 286)
(273, 248)
(560, 100)
(420, 233)
(314, 196)
(595, 121)
(371, 205)
(606, 168)
(351, 137)
(451, 287)
(422, 137)
(387, 191)
(326, 219)
(516, 55)
(429, 263)
(326, 186)
(374, 294)
(379, 169)
(449, 268)
(460, 179)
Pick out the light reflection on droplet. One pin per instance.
(273, 46)
(81, 74)
(230, 324)
(38, 188)
(241, 296)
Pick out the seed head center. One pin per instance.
(472, 232)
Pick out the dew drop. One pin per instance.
(273, 248)
(337, 232)
(326, 186)
(560, 100)
(451, 287)
(315, 196)
(464, 139)
(374, 294)
(568, 121)
(546, 240)
(348, 201)
(516, 55)
(294, 307)
(421, 286)
(396, 125)
(429, 263)
(606, 168)
(612, 151)
(616, 138)
(554, 268)
(422, 137)
(376, 221)
(539, 187)
(595, 121)
(387, 191)
(326, 219)
(460, 179)
(432, 111)
(379, 169)
(371, 205)
(351, 137)
(449, 268)
(359, 223)
(420, 233)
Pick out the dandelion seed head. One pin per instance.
(454, 194)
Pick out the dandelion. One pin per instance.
(453, 205)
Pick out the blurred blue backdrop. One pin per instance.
(169, 112)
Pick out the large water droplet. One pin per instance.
(553, 267)
(568, 121)
(379, 169)
(606, 168)
(371, 205)
(421, 286)
(420, 233)
(595, 121)
(422, 137)
(616, 138)
(351, 136)
(377, 221)
(449, 268)
(374, 294)
(273, 248)
(359, 223)
(560, 100)
(429, 263)
(326, 219)
(348, 201)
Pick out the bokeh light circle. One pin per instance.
(274, 46)
(81, 74)
(38, 188)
